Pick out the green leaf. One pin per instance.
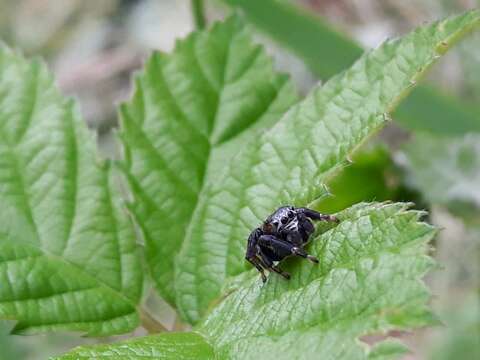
(289, 163)
(446, 170)
(366, 282)
(68, 258)
(191, 111)
(174, 346)
(327, 52)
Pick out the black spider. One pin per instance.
(282, 234)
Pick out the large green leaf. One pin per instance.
(68, 258)
(289, 163)
(367, 282)
(168, 346)
(190, 113)
(327, 52)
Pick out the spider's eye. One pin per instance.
(284, 220)
(275, 223)
(291, 214)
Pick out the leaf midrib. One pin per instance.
(207, 164)
(28, 115)
(226, 139)
(16, 166)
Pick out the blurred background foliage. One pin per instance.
(429, 155)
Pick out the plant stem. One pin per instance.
(198, 13)
(150, 324)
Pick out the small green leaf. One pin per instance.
(68, 258)
(168, 346)
(289, 163)
(367, 281)
(190, 113)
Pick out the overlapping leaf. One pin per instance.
(190, 112)
(289, 163)
(67, 250)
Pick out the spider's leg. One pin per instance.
(284, 248)
(315, 215)
(301, 252)
(253, 250)
(305, 229)
(268, 264)
(279, 271)
(256, 262)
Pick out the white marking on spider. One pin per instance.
(292, 225)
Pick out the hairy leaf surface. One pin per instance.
(289, 163)
(190, 112)
(68, 258)
(367, 281)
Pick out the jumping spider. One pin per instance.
(283, 233)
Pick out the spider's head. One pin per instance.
(280, 219)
